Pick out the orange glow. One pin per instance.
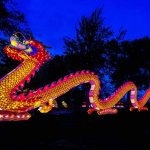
(15, 107)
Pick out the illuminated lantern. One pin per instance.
(15, 102)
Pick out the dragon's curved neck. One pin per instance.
(12, 101)
(17, 77)
(19, 74)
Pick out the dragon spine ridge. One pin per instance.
(15, 106)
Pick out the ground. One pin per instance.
(76, 130)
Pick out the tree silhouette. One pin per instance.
(132, 62)
(113, 59)
(85, 51)
(129, 61)
(11, 20)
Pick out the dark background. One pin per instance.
(77, 130)
(118, 52)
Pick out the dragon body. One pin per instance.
(32, 55)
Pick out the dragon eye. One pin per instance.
(13, 41)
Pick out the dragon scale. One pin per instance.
(15, 106)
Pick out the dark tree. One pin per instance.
(11, 20)
(129, 61)
(85, 51)
(132, 62)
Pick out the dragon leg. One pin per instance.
(139, 109)
(44, 98)
(105, 106)
(45, 107)
(101, 106)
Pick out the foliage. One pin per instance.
(113, 59)
(132, 62)
(85, 51)
(11, 20)
(94, 48)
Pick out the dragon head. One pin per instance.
(21, 49)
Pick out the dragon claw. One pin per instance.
(139, 109)
(46, 107)
(143, 109)
(90, 111)
(18, 101)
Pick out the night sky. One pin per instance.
(51, 20)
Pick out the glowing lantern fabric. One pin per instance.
(32, 55)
